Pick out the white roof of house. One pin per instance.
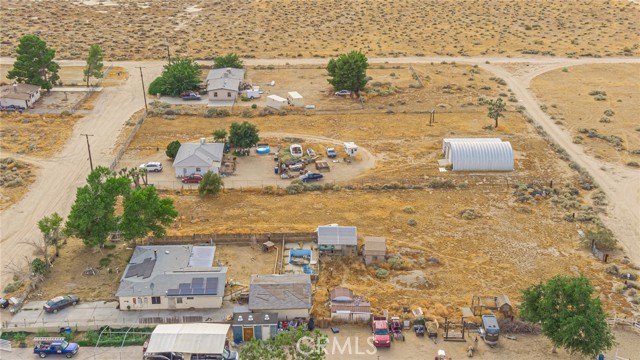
(172, 270)
(481, 156)
(337, 235)
(223, 84)
(350, 145)
(199, 338)
(231, 73)
(199, 155)
(294, 95)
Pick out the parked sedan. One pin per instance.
(152, 166)
(190, 96)
(60, 302)
(311, 177)
(192, 179)
(343, 93)
(331, 152)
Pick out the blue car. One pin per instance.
(311, 177)
(331, 152)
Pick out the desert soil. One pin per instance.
(276, 28)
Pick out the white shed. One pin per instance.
(447, 141)
(276, 102)
(481, 156)
(351, 149)
(295, 99)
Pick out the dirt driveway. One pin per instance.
(256, 171)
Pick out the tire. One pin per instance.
(43, 355)
(55, 311)
(74, 303)
(69, 356)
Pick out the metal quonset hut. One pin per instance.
(481, 156)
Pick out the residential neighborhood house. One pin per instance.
(224, 84)
(19, 95)
(198, 158)
(289, 295)
(172, 277)
(338, 240)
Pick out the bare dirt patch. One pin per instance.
(565, 95)
(126, 30)
(15, 178)
(69, 75)
(40, 135)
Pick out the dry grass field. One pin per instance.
(39, 135)
(566, 96)
(15, 178)
(129, 29)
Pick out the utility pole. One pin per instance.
(144, 92)
(166, 40)
(89, 148)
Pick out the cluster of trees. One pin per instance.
(34, 63)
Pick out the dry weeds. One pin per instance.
(15, 176)
(293, 28)
(40, 135)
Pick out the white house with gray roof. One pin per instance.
(198, 158)
(172, 277)
(224, 84)
(22, 95)
(289, 295)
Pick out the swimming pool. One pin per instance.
(263, 149)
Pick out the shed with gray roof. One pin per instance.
(338, 240)
(289, 295)
(172, 277)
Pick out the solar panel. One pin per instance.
(184, 286)
(186, 292)
(197, 282)
(211, 291)
(144, 269)
(173, 292)
(198, 291)
(212, 283)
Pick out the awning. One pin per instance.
(189, 338)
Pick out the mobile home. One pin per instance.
(295, 99)
(276, 102)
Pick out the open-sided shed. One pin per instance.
(338, 240)
(481, 156)
(199, 338)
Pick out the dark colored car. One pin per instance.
(190, 96)
(13, 108)
(164, 356)
(192, 179)
(60, 302)
(311, 177)
(4, 303)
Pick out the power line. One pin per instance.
(89, 148)
(144, 93)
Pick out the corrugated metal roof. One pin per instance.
(481, 156)
(337, 235)
(362, 307)
(447, 141)
(341, 294)
(199, 338)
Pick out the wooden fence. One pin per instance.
(233, 238)
(126, 143)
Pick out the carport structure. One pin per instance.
(188, 339)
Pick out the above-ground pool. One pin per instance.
(263, 149)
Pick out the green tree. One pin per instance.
(145, 212)
(39, 267)
(51, 229)
(172, 149)
(211, 184)
(228, 61)
(94, 63)
(348, 72)
(570, 316)
(219, 135)
(243, 135)
(496, 108)
(180, 75)
(296, 344)
(92, 216)
(34, 63)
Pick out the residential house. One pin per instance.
(224, 84)
(19, 95)
(172, 277)
(375, 250)
(198, 158)
(345, 306)
(338, 240)
(289, 295)
(247, 326)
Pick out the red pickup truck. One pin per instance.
(380, 330)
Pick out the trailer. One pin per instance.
(295, 99)
(276, 102)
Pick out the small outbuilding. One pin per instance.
(480, 156)
(295, 99)
(276, 102)
(375, 250)
(247, 326)
(446, 142)
(288, 295)
(345, 306)
(338, 240)
(203, 339)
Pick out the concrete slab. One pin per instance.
(77, 89)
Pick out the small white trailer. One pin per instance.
(276, 102)
(351, 149)
(295, 99)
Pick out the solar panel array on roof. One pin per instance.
(202, 256)
(197, 286)
(337, 235)
(144, 269)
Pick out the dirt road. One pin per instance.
(54, 191)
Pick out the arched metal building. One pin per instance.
(480, 156)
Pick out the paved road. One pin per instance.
(54, 189)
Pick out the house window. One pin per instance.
(198, 170)
(229, 94)
(134, 301)
(189, 298)
(215, 94)
(155, 300)
(179, 300)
